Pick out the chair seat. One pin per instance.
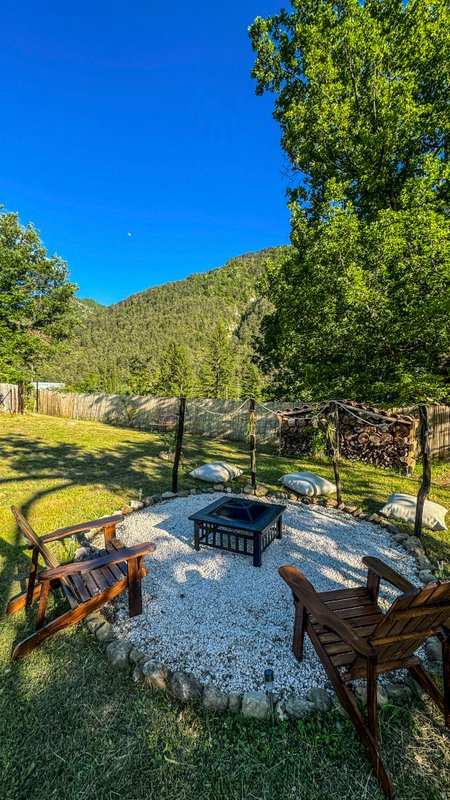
(89, 584)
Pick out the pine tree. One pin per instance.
(218, 367)
(175, 375)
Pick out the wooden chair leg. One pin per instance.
(372, 707)
(32, 576)
(42, 604)
(350, 705)
(446, 676)
(18, 603)
(299, 630)
(428, 685)
(134, 587)
(66, 619)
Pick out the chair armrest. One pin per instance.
(61, 533)
(388, 574)
(79, 567)
(304, 591)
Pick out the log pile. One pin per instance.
(367, 434)
(378, 437)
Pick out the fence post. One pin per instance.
(21, 397)
(37, 397)
(426, 467)
(179, 443)
(334, 441)
(252, 415)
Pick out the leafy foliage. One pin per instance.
(35, 299)
(362, 97)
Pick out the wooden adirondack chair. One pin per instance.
(87, 585)
(354, 639)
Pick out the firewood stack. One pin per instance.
(367, 434)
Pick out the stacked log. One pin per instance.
(367, 434)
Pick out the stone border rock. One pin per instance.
(184, 687)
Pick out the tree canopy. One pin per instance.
(362, 97)
(35, 298)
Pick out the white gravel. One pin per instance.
(213, 614)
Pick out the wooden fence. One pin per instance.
(221, 419)
(213, 419)
(9, 398)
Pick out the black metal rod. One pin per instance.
(179, 443)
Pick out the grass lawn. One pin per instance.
(72, 727)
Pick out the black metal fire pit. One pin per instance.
(239, 525)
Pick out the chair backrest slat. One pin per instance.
(35, 541)
(411, 619)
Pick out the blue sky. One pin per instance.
(141, 118)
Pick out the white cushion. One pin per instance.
(307, 483)
(403, 507)
(216, 472)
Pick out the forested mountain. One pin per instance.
(123, 347)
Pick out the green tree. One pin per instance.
(218, 378)
(35, 299)
(175, 375)
(362, 97)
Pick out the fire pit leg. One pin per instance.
(279, 529)
(196, 536)
(257, 559)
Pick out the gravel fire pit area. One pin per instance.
(212, 614)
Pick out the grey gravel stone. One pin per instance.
(118, 654)
(105, 633)
(382, 697)
(416, 689)
(219, 487)
(426, 576)
(320, 698)
(148, 501)
(255, 705)
(82, 554)
(433, 649)
(234, 702)
(281, 714)
(228, 489)
(156, 498)
(299, 708)
(399, 693)
(214, 699)
(413, 545)
(94, 621)
(192, 491)
(156, 674)
(248, 489)
(168, 495)
(183, 493)
(424, 562)
(137, 673)
(136, 505)
(185, 687)
(136, 656)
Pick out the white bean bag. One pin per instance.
(403, 508)
(307, 483)
(216, 472)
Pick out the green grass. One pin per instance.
(72, 727)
